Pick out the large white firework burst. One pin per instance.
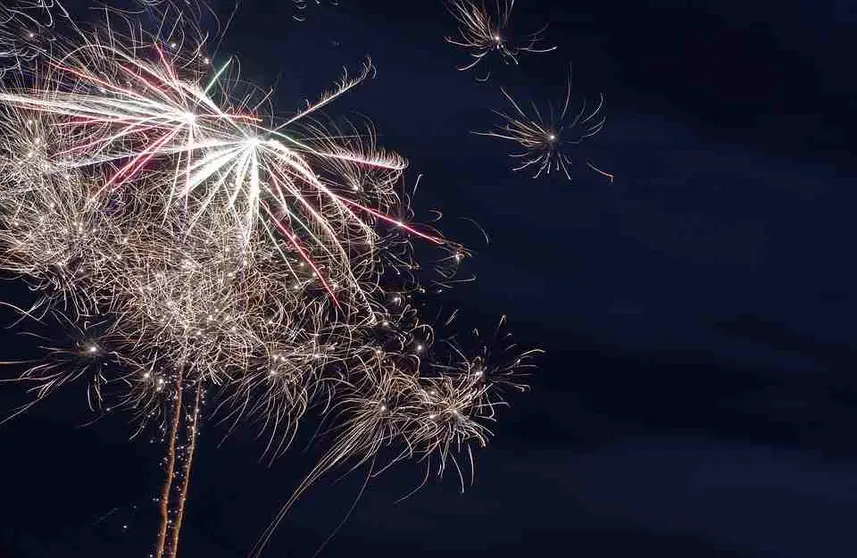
(200, 252)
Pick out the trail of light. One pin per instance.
(396, 222)
(607, 175)
(137, 163)
(192, 428)
(294, 240)
(170, 473)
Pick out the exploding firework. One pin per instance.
(204, 256)
(548, 138)
(483, 29)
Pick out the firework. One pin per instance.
(483, 29)
(547, 138)
(202, 254)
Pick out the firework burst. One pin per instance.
(484, 29)
(548, 138)
(208, 258)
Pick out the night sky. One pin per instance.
(697, 397)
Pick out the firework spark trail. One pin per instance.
(193, 432)
(545, 139)
(185, 242)
(170, 470)
(483, 29)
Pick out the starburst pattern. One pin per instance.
(206, 257)
(484, 29)
(548, 138)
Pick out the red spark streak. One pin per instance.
(399, 224)
(294, 240)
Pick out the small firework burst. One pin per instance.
(484, 29)
(548, 138)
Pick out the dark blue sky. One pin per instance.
(698, 396)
